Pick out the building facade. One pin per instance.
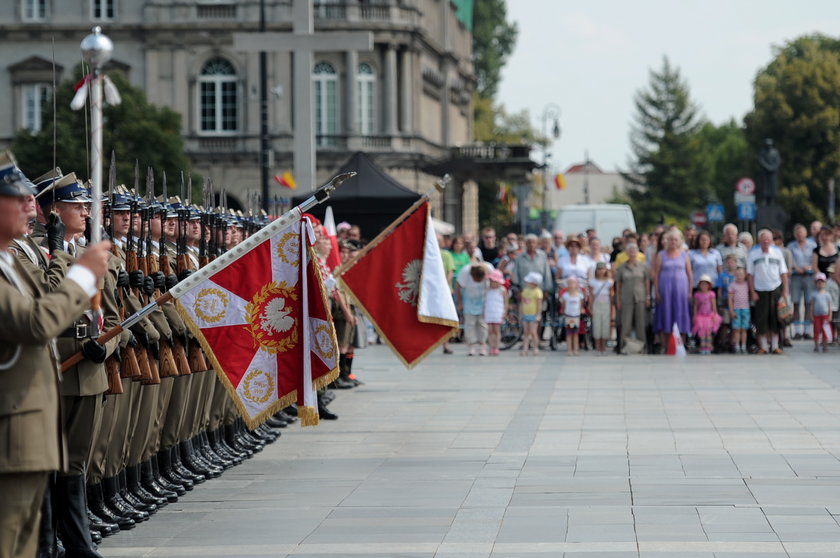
(406, 103)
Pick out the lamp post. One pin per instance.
(96, 51)
(551, 113)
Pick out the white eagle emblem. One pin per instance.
(276, 317)
(409, 289)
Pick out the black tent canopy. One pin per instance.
(371, 199)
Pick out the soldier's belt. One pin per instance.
(79, 330)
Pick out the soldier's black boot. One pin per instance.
(165, 476)
(227, 446)
(213, 438)
(134, 485)
(151, 479)
(201, 453)
(210, 452)
(179, 467)
(193, 461)
(117, 505)
(130, 498)
(46, 536)
(73, 525)
(96, 502)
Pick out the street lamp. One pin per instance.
(550, 114)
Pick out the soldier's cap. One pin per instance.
(119, 201)
(13, 182)
(68, 189)
(46, 182)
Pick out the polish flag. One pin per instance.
(334, 257)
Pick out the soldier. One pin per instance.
(29, 410)
(83, 384)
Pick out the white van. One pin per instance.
(608, 220)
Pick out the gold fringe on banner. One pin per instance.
(308, 416)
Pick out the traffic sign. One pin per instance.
(744, 198)
(746, 211)
(745, 186)
(698, 218)
(714, 212)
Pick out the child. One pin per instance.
(495, 310)
(570, 305)
(601, 307)
(726, 278)
(739, 309)
(821, 311)
(531, 305)
(706, 318)
(470, 289)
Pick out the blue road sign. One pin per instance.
(714, 212)
(746, 211)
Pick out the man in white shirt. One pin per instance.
(768, 279)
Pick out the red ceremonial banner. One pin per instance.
(386, 281)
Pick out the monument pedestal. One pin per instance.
(771, 215)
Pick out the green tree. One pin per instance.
(726, 155)
(797, 105)
(667, 174)
(493, 40)
(135, 129)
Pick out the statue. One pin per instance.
(769, 160)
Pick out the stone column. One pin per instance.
(390, 90)
(407, 113)
(351, 114)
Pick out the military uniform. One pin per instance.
(30, 428)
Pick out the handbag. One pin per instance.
(784, 311)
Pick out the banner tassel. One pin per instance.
(308, 416)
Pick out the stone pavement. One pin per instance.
(536, 457)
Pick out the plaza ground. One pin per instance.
(535, 457)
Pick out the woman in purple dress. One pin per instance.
(672, 283)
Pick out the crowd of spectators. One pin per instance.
(739, 295)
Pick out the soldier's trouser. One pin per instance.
(145, 420)
(133, 420)
(218, 406)
(231, 412)
(193, 405)
(164, 397)
(81, 417)
(175, 412)
(115, 454)
(209, 400)
(20, 513)
(99, 448)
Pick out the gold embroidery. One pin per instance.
(258, 386)
(288, 248)
(211, 305)
(272, 318)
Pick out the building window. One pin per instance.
(102, 10)
(218, 97)
(34, 10)
(325, 81)
(366, 96)
(35, 96)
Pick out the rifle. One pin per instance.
(183, 266)
(132, 264)
(178, 349)
(112, 363)
(167, 366)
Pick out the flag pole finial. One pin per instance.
(440, 185)
(327, 189)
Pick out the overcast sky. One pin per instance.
(589, 58)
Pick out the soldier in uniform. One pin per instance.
(29, 409)
(83, 384)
